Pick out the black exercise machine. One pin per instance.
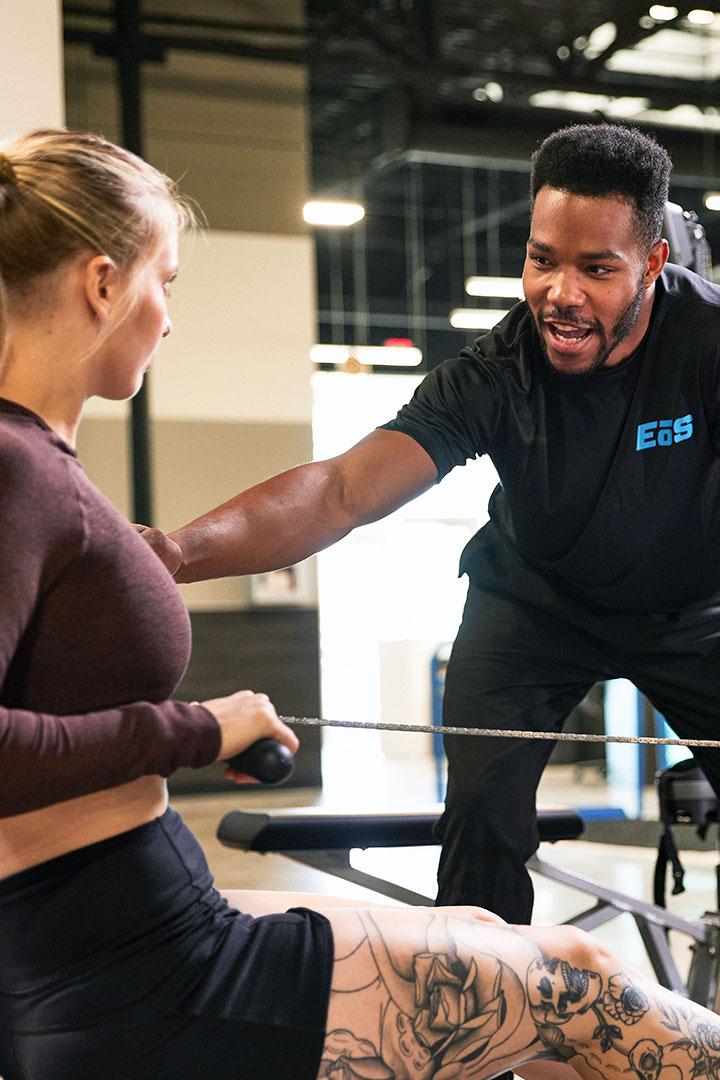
(324, 842)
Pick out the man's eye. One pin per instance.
(539, 260)
(599, 271)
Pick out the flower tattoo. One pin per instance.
(623, 1001)
(706, 1054)
(445, 995)
(458, 1007)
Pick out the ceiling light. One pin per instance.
(672, 53)
(491, 91)
(331, 212)
(688, 116)
(575, 101)
(495, 286)
(663, 12)
(700, 17)
(712, 200)
(391, 355)
(600, 39)
(476, 318)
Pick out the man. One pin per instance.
(597, 401)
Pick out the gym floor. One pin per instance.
(628, 869)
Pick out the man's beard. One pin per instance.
(625, 324)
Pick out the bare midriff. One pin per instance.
(35, 837)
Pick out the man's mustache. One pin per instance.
(568, 320)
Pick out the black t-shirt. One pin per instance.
(610, 482)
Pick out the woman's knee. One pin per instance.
(470, 911)
(572, 946)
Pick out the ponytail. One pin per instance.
(63, 192)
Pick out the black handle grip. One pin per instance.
(267, 760)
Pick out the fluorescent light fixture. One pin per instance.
(600, 39)
(674, 53)
(576, 101)
(331, 212)
(684, 116)
(367, 355)
(700, 17)
(495, 286)
(663, 12)
(476, 318)
(712, 200)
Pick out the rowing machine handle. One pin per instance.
(267, 760)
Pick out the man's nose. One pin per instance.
(167, 327)
(566, 289)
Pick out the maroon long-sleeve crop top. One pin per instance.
(94, 636)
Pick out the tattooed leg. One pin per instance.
(614, 1020)
(421, 994)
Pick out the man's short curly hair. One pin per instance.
(607, 159)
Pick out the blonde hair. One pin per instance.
(65, 192)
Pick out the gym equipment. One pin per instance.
(267, 760)
(324, 841)
(271, 762)
(686, 798)
(501, 733)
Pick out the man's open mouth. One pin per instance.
(567, 336)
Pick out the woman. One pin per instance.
(118, 959)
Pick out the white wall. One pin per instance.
(31, 79)
(243, 319)
(230, 390)
(229, 395)
(243, 323)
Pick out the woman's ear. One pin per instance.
(102, 285)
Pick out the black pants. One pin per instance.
(121, 962)
(525, 655)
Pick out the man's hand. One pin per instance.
(166, 549)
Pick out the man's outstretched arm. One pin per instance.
(291, 516)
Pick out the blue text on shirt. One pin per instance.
(664, 432)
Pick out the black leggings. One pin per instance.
(121, 962)
(525, 655)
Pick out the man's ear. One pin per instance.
(102, 285)
(657, 257)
